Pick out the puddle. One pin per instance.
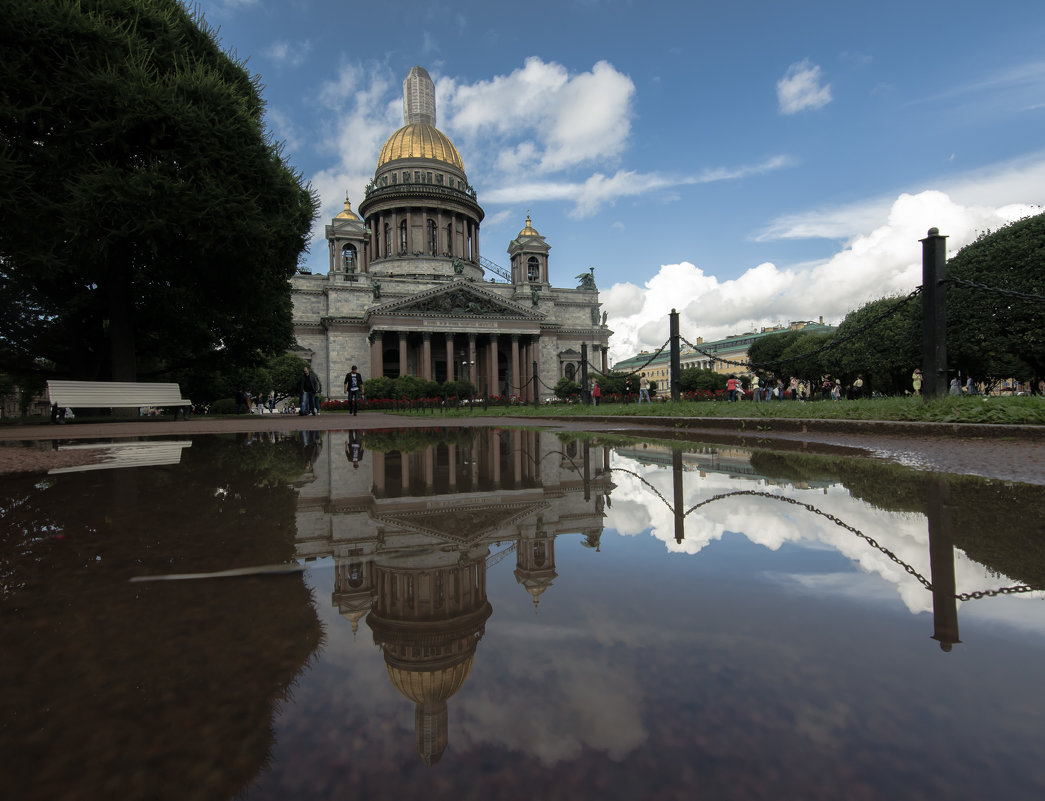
(510, 613)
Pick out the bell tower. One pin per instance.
(529, 257)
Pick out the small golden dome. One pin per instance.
(427, 686)
(529, 230)
(420, 141)
(346, 213)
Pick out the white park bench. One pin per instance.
(113, 395)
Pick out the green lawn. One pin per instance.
(1019, 410)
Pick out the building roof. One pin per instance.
(419, 140)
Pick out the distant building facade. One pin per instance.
(408, 293)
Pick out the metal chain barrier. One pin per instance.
(642, 366)
(834, 343)
(993, 289)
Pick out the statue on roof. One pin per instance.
(587, 280)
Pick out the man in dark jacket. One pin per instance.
(308, 388)
(354, 389)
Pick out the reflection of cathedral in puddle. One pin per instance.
(411, 536)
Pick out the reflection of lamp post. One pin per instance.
(466, 369)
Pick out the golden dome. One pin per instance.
(346, 213)
(529, 230)
(420, 141)
(427, 686)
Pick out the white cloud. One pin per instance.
(292, 53)
(800, 89)
(598, 190)
(360, 117)
(566, 120)
(881, 256)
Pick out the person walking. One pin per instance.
(308, 389)
(354, 389)
(731, 388)
(596, 393)
(916, 381)
(644, 389)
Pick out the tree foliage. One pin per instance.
(990, 335)
(886, 353)
(147, 220)
(693, 378)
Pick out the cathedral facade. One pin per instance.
(408, 293)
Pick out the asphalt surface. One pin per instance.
(1002, 452)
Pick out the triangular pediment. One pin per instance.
(461, 299)
(465, 524)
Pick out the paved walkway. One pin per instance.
(1009, 453)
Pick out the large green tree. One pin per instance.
(886, 353)
(992, 335)
(147, 219)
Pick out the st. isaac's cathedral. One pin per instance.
(408, 293)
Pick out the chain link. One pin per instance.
(993, 289)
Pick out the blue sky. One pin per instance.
(747, 163)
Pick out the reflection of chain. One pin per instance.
(644, 481)
(965, 596)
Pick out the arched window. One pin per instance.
(450, 239)
(571, 371)
(533, 269)
(348, 258)
(402, 238)
(388, 240)
(432, 244)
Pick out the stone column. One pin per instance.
(377, 355)
(514, 379)
(451, 371)
(429, 469)
(451, 465)
(605, 359)
(493, 389)
(426, 355)
(472, 371)
(402, 353)
(517, 454)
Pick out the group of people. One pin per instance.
(309, 388)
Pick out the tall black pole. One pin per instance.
(676, 361)
(934, 315)
(941, 564)
(676, 484)
(536, 388)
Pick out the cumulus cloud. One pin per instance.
(881, 256)
(801, 89)
(566, 120)
(362, 110)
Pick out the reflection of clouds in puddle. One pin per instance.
(1025, 612)
(771, 524)
(585, 696)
